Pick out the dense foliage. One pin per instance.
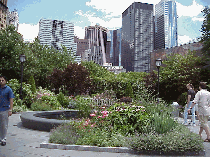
(40, 60)
(205, 29)
(140, 125)
(177, 72)
(74, 79)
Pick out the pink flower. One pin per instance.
(93, 125)
(104, 112)
(95, 111)
(99, 116)
(105, 115)
(92, 115)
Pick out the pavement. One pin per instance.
(23, 142)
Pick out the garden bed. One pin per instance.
(117, 150)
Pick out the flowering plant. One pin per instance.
(128, 119)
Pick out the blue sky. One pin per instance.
(107, 13)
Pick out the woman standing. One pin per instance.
(202, 98)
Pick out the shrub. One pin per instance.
(187, 141)
(64, 101)
(182, 100)
(84, 106)
(129, 90)
(162, 123)
(64, 134)
(128, 119)
(75, 79)
(51, 101)
(126, 100)
(40, 106)
(31, 81)
(28, 96)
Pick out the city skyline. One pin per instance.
(85, 13)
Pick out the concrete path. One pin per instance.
(23, 142)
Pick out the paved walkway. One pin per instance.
(23, 142)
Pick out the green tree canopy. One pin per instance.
(177, 71)
(205, 29)
(11, 46)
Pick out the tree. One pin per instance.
(205, 39)
(41, 60)
(177, 72)
(11, 46)
(74, 79)
(205, 29)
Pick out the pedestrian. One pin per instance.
(202, 98)
(6, 105)
(190, 98)
(196, 108)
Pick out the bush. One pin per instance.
(128, 119)
(75, 79)
(129, 90)
(64, 134)
(28, 96)
(31, 81)
(162, 123)
(40, 106)
(84, 106)
(187, 141)
(64, 101)
(51, 101)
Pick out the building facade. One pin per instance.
(182, 49)
(13, 18)
(166, 24)
(97, 36)
(115, 47)
(56, 33)
(82, 46)
(3, 14)
(137, 37)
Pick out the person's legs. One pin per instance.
(193, 112)
(185, 114)
(200, 132)
(3, 126)
(204, 125)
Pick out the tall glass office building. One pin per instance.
(137, 37)
(166, 24)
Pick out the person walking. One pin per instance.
(202, 98)
(6, 105)
(190, 97)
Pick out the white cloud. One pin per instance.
(115, 7)
(182, 39)
(28, 31)
(79, 32)
(198, 19)
(191, 11)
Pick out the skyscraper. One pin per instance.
(166, 24)
(13, 18)
(137, 37)
(115, 47)
(97, 36)
(56, 33)
(3, 13)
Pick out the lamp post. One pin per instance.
(22, 60)
(158, 64)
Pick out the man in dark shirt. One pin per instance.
(190, 98)
(6, 105)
